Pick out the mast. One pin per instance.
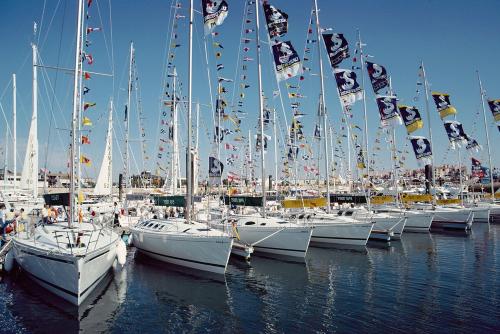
(34, 155)
(395, 174)
(322, 110)
(126, 166)
(14, 121)
(175, 154)
(367, 155)
(261, 110)
(426, 88)
(275, 151)
(481, 91)
(76, 110)
(6, 157)
(189, 170)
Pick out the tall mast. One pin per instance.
(261, 110)
(108, 135)
(275, 151)
(126, 166)
(481, 91)
(367, 155)
(395, 175)
(76, 110)
(322, 110)
(427, 111)
(6, 157)
(14, 121)
(175, 155)
(189, 170)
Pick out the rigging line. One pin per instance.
(164, 72)
(41, 21)
(104, 36)
(112, 47)
(55, 81)
(50, 24)
(236, 70)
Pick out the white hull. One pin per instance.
(287, 241)
(70, 277)
(331, 229)
(453, 219)
(417, 222)
(481, 214)
(197, 251)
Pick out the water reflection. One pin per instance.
(31, 304)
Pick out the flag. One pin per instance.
(378, 76)
(360, 157)
(472, 144)
(215, 167)
(286, 60)
(317, 132)
(388, 109)
(86, 121)
(276, 20)
(220, 67)
(422, 148)
(218, 134)
(86, 90)
(214, 14)
(455, 132)
(232, 176)
(411, 118)
(85, 160)
(337, 48)
(443, 105)
(85, 140)
(89, 30)
(86, 75)
(349, 89)
(89, 58)
(87, 105)
(476, 168)
(495, 109)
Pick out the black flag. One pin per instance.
(378, 76)
(215, 167)
(337, 48)
(388, 110)
(214, 13)
(495, 109)
(422, 148)
(276, 20)
(286, 60)
(411, 118)
(455, 132)
(349, 89)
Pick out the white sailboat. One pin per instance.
(182, 241)
(68, 259)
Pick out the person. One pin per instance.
(9, 216)
(116, 211)
(20, 220)
(3, 223)
(45, 214)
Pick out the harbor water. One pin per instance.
(436, 282)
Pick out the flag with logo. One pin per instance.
(337, 48)
(286, 60)
(349, 89)
(411, 118)
(495, 109)
(443, 104)
(214, 14)
(422, 148)
(388, 110)
(476, 168)
(378, 76)
(455, 132)
(215, 169)
(276, 20)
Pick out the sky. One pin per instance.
(454, 39)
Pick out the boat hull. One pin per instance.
(206, 253)
(453, 219)
(291, 242)
(418, 222)
(355, 234)
(70, 277)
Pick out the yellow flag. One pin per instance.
(86, 121)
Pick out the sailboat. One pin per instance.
(69, 259)
(182, 241)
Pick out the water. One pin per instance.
(446, 283)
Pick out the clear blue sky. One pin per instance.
(453, 38)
